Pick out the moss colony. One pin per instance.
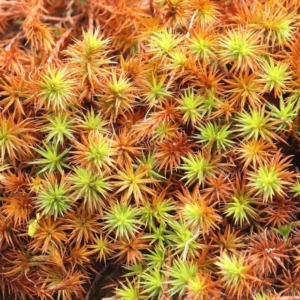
(150, 149)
